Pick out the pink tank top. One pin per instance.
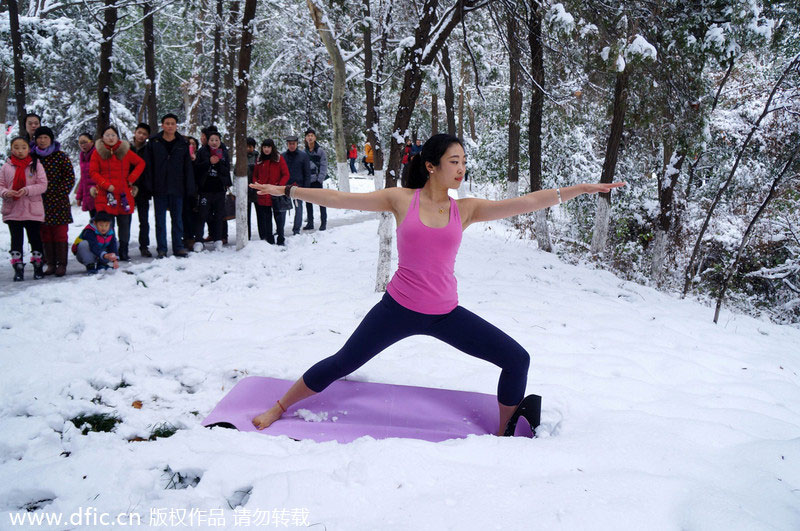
(425, 280)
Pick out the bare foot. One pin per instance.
(268, 417)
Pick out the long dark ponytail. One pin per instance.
(415, 174)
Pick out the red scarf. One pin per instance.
(19, 172)
(113, 148)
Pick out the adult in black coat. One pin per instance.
(170, 178)
(299, 174)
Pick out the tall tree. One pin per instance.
(793, 64)
(104, 77)
(773, 192)
(242, 88)
(325, 30)
(215, 70)
(19, 69)
(449, 94)
(535, 120)
(150, 103)
(514, 97)
(231, 59)
(429, 37)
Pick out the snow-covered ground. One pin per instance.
(653, 417)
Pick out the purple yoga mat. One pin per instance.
(347, 410)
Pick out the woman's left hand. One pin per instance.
(268, 189)
(602, 188)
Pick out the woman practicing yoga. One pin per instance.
(421, 297)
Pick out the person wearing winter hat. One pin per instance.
(57, 211)
(22, 182)
(111, 170)
(319, 172)
(96, 245)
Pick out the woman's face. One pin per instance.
(43, 141)
(452, 166)
(85, 143)
(214, 142)
(266, 150)
(20, 148)
(110, 137)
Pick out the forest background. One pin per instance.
(695, 104)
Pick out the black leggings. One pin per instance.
(389, 322)
(33, 228)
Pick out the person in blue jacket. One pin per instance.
(96, 245)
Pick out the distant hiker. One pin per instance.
(352, 155)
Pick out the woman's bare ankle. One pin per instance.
(265, 419)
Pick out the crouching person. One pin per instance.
(96, 246)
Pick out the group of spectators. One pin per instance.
(179, 174)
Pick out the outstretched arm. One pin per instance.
(475, 210)
(378, 201)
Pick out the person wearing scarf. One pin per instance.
(82, 192)
(57, 211)
(110, 168)
(22, 182)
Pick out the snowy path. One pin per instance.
(654, 417)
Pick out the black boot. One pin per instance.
(19, 266)
(38, 265)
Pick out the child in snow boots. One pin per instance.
(96, 246)
(22, 183)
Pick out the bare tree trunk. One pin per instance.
(150, 67)
(194, 88)
(215, 71)
(310, 92)
(104, 77)
(756, 125)
(5, 88)
(435, 109)
(667, 180)
(462, 97)
(735, 265)
(232, 48)
(373, 92)
(515, 103)
(535, 123)
(242, 87)
(601, 220)
(337, 95)
(19, 68)
(449, 95)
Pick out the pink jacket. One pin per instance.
(29, 207)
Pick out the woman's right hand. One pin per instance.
(93, 191)
(268, 189)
